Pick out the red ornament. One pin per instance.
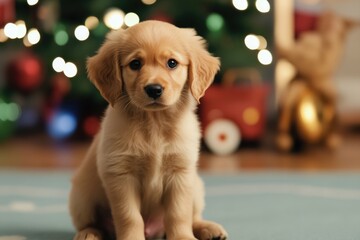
(161, 16)
(7, 11)
(60, 87)
(25, 72)
(91, 126)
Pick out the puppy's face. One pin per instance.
(154, 72)
(151, 64)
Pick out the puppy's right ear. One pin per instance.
(104, 69)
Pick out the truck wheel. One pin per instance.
(222, 136)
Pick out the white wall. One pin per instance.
(347, 78)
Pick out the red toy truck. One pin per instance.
(231, 114)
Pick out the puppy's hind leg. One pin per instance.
(205, 230)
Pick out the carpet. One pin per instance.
(250, 205)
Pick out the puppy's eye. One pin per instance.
(172, 63)
(135, 65)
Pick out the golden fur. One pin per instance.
(142, 166)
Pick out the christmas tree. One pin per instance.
(44, 45)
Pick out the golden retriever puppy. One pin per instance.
(139, 179)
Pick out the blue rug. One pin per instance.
(251, 206)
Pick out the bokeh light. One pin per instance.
(62, 124)
(252, 42)
(33, 36)
(3, 37)
(265, 57)
(58, 64)
(91, 22)
(61, 37)
(131, 19)
(32, 2)
(9, 111)
(81, 33)
(148, 2)
(262, 6)
(114, 18)
(70, 69)
(21, 29)
(214, 22)
(10, 30)
(240, 4)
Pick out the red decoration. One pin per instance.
(304, 22)
(60, 87)
(25, 72)
(91, 126)
(160, 16)
(7, 11)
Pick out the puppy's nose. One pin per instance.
(154, 90)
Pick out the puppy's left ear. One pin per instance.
(203, 66)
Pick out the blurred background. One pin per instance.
(47, 100)
(49, 112)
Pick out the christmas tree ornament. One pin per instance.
(25, 72)
(7, 11)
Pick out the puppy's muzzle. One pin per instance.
(154, 91)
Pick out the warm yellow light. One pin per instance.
(262, 42)
(265, 57)
(81, 33)
(262, 6)
(32, 2)
(91, 22)
(308, 112)
(58, 64)
(240, 4)
(252, 42)
(10, 30)
(148, 2)
(131, 19)
(33, 36)
(251, 116)
(3, 37)
(26, 42)
(114, 18)
(21, 29)
(70, 69)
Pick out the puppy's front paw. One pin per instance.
(88, 234)
(206, 230)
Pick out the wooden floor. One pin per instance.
(40, 152)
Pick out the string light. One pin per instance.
(58, 64)
(262, 6)
(240, 4)
(148, 2)
(21, 29)
(81, 33)
(265, 57)
(214, 22)
(252, 42)
(3, 37)
(33, 36)
(114, 18)
(32, 2)
(9, 111)
(91, 22)
(131, 19)
(10, 30)
(61, 37)
(70, 69)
